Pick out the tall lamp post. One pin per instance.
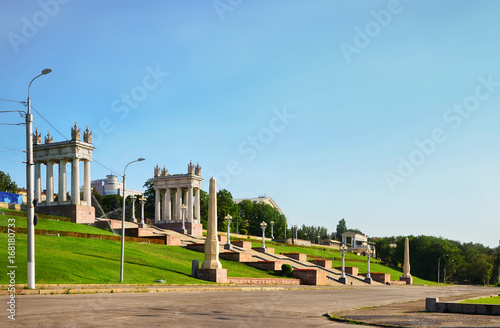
(30, 212)
(263, 226)
(228, 223)
(272, 230)
(343, 250)
(368, 276)
(123, 218)
(296, 228)
(439, 265)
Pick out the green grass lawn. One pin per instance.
(55, 225)
(68, 260)
(484, 300)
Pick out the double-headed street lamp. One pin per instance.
(343, 250)
(30, 212)
(263, 226)
(123, 217)
(228, 218)
(183, 208)
(142, 200)
(368, 254)
(133, 198)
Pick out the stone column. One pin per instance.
(50, 183)
(169, 204)
(61, 191)
(38, 188)
(157, 205)
(178, 204)
(211, 242)
(164, 206)
(197, 206)
(75, 181)
(190, 204)
(174, 205)
(86, 182)
(185, 198)
(406, 264)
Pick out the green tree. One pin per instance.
(203, 208)
(6, 183)
(341, 228)
(311, 233)
(149, 194)
(225, 206)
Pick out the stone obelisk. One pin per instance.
(406, 264)
(212, 243)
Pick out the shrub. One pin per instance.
(243, 231)
(286, 270)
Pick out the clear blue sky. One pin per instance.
(384, 113)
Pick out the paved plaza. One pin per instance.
(269, 307)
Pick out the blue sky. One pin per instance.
(384, 113)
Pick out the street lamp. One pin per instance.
(439, 265)
(319, 240)
(368, 254)
(272, 230)
(30, 212)
(263, 225)
(444, 274)
(123, 217)
(343, 250)
(184, 208)
(228, 221)
(295, 226)
(133, 198)
(142, 200)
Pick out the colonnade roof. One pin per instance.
(63, 150)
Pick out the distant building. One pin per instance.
(24, 193)
(112, 186)
(260, 199)
(357, 243)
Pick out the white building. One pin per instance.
(357, 243)
(112, 186)
(260, 199)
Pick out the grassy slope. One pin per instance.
(484, 300)
(76, 260)
(55, 225)
(98, 261)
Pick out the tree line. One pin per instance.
(451, 261)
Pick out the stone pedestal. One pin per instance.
(343, 280)
(227, 246)
(408, 280)
(368, 280)
(77, 213)
(192, 228)
(215, 275)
